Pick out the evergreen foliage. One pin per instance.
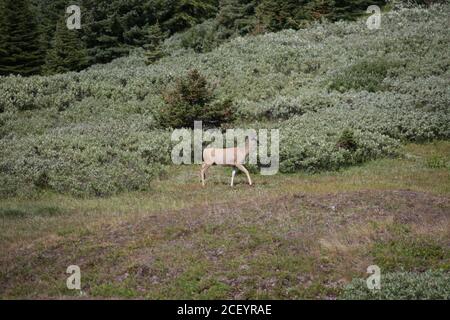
(242, 17)
(347, 140)
(295, 14)
(67, 52)
(112, 28)
(192, 99)
(20, 42)
(154, 38)
(187, 13)
(237, 16)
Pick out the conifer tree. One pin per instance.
(20, 42)
(67, 52)
(187, 13)
(153, 47)
(275, 15)
(236, 17)
(351, 9)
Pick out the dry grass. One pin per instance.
(289, 236)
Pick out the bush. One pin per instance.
(83, 161)
(347, 140)
(192, 99)
(276, 80)
(364, 75)
(202, 37)
(428, 285)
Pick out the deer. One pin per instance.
(231, 157)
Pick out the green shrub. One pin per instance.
(428, 285)
(422, 2)
(202, 37)
(436, 162)
(347, 140)
(192, 99)
(364, 75)
(83, 161)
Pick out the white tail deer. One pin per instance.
(233, 157)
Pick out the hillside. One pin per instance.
(33, 42)
(86, 176)
(94, 133)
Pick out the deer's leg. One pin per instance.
(242, 168)
(232, 176)
(203, 172)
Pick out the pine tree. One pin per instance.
(48, 14)
(282, 14)
(236, 17)
(275, 15)
(67, 52)
(187, 13)
(351, 9)
(153, 47)
(20, 42)
(192, 99)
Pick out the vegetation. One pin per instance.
(113, 28)
(53, 129)
(292, 14)
(155, 37)
(433, 285)
(86, 176)
(365, 75)
(347, 140)
(288, 237)
(191, 100)
(67, 52)
(251, 17)
(20, 43)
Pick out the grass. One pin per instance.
(289, 236)
(43, 211)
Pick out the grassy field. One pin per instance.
(288, 236)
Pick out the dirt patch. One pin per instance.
(270, 243)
